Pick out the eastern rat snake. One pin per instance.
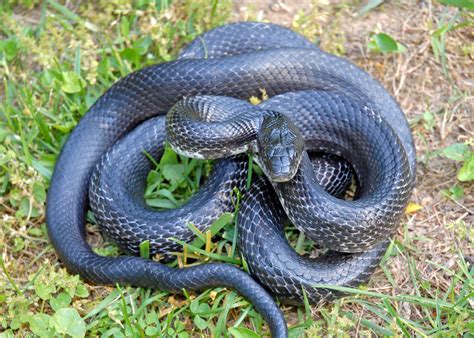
(338, 109)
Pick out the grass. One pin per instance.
(56, 60)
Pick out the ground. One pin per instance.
(56, 58)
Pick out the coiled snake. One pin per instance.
(317, 97)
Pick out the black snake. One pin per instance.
(334, 106)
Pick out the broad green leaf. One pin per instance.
(194, 306)
(35, 232)
(169, 157)
(456, 192)
(39, 325)
(9, 49)
(18, 244)
(39, 192)
(60, 301)
(200, 323)
(466, 173)
(15, 323)
(152, 331)
(81, 291)
(131, 55)
(456, 152)
(24, 207)
(67, 321)
(385, 43)
(72, 83)
(174, 173)
(204, 309)
(44, 290)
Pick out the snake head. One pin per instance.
(280, 147)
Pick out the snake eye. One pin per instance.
(280, 147)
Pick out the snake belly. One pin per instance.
(236, 60)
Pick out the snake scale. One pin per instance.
(319, 99)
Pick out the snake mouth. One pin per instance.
(282, 178)
(278, 169)
(278, 172)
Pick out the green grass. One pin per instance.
(55, 61)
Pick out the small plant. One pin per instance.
(175, 179)
(466, 173)
(384, 43)
(462, 152)
(459, 152)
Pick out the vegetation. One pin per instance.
(57, 59)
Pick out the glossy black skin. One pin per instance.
(153, 91)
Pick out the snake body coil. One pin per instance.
(336, 107)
